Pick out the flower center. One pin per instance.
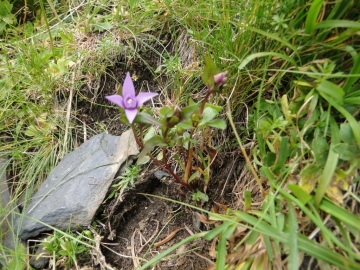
(130, 103)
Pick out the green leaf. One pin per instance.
(332, 90)
(340, 213)
(352, 122)
(309, 176)
(210, 70)
(5, 8)
(299, 193)
(327, 175)
(145, 118)
(221, 255)
(269, 159)
(187, 124)
(149, 134)
(200, 196)
(210, 112)
(247, 199)
(194, 176)
(320, 149)
(346, 134)
(293, 240)
(188, 111)
(150, 144)
(346, 151)
(283, 155)
(312, 16)
(217, 123)
(338, 23)
(166, 112)
(217, 230)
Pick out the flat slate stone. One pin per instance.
(74, 190)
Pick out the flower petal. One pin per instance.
(118, 100)
(131, 114)
(128, 86)
(143, 97)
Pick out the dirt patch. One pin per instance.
(139, 227)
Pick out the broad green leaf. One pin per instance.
(5, 8)
(269, 159)
(187, 124)
(312, 16)
(217, 123)
(210, 70)
(332, 90)
(331, 164)
(150, 144)
(320, 149)
(146, 118)
(337, 184)
(309, 177)
(299, 193)
(346, 134)
(346, 151)
(166, 112)
(325, 179)
(149, 134)
(188, 111)
(209, 114)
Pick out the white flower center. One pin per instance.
(129, 101)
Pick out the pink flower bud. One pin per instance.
(220, 79)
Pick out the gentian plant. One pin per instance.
(183, 129)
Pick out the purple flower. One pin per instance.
(220, 79)
(128, 101)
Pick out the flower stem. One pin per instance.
(163, 166)
(209, 92)
(139, 143)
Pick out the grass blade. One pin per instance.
(340, 213)
(293, 245)
(338, 23)
(169, 250)
(263, 54)
(221, 255)
(312, 16)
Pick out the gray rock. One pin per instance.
(41, 258)
(74, 190)
(7, 216)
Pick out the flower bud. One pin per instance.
(220, 79)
